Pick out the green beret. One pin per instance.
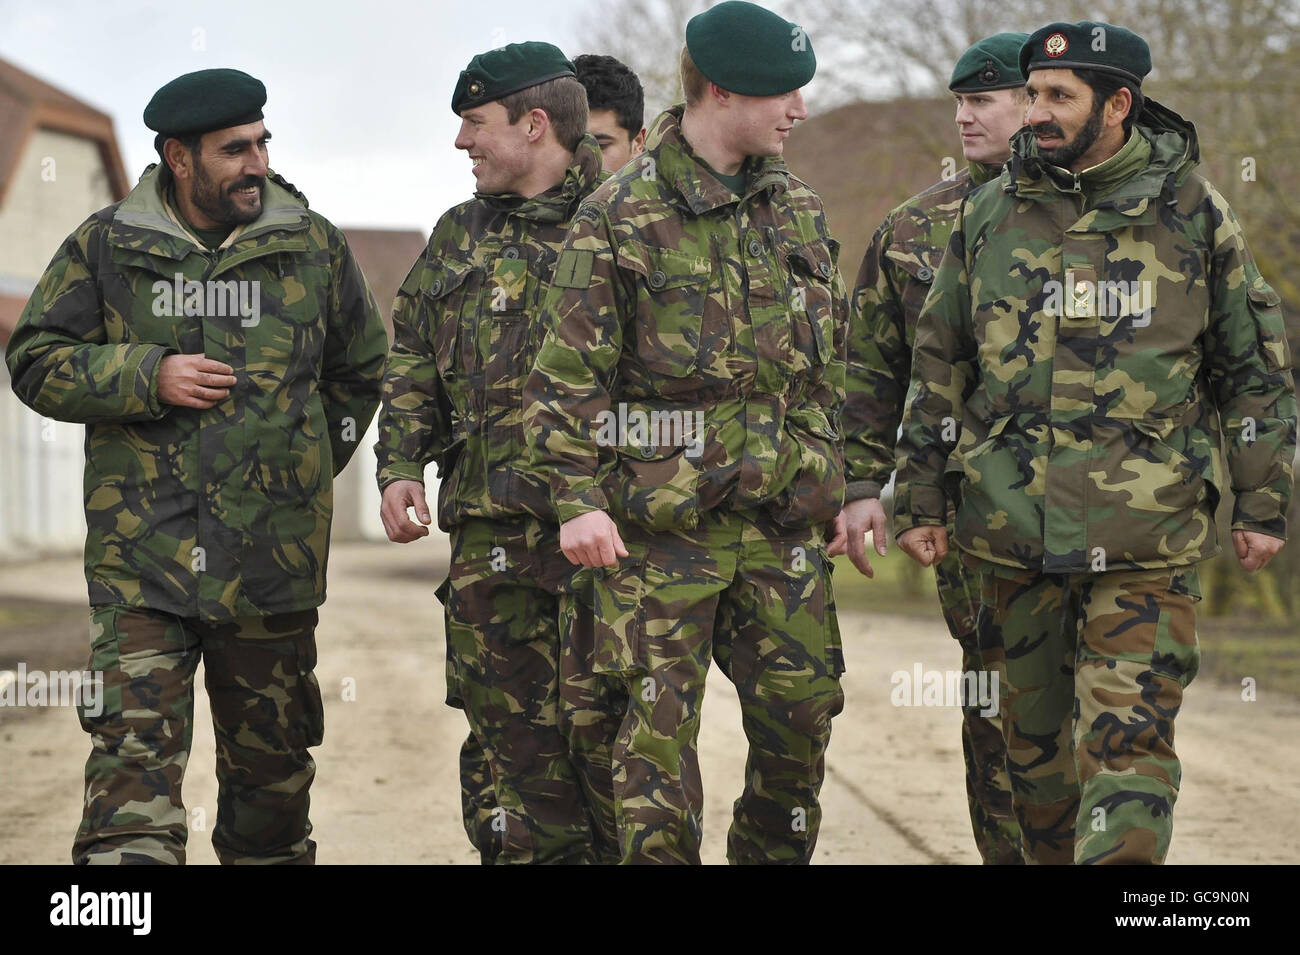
(507, 70)
(991, 64)
(1087, 45)
(750, 50)
(203, 101)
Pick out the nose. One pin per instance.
(463, 139)
(1036, 114)
(258, 163)
(797, 110)
(964, 116)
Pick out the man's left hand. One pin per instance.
(1255, 550)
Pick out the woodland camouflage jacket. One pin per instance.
(1090, 343)
(225, 512)
(694, 356)
(466, 328)
(892, 284)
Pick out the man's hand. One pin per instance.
(398, 525)
(592, 540)
(1255, 550)
(925, 545)
(851, 528)
(193, 381)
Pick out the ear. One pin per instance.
(178, 158)
(538, 124)
(720, 96)
(638, 143)
(1119, 106)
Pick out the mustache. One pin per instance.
(258, 181)
(1048, 129)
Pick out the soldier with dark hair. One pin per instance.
(616, 108)
(895, 278)
(466, 328)
(1098, 335)
(220, 344)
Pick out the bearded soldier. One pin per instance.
(892, 284)
(220, 344)
(685, 405)
(1098, 335)
(466, 332)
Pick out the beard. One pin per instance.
(220, 207)
(1068, 154)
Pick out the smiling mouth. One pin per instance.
(476, 160)
(247, 192)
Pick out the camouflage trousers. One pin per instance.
(521, 800)
(753, 597)
(988, 787)
(266, 713)
(1093, 671)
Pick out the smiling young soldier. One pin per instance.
(615, 108)
(1097, 330)
(465, 327)
(697, 299)
(212, 438)
(892, 284)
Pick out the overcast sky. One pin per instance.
(358, 93)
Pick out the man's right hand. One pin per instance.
(193, 381)
(925, 545)
(398, 525)
(592, 540)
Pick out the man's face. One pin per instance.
(1065, 121)
(499, 150)
(760, 125)
(986, 121)
(230, 174)
(617, 145)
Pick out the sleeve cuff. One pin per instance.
(857, 490)
(1260, 512)
(400, 471)
(576, 504)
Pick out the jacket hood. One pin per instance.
(145, 210)
(1175, 153)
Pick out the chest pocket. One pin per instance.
(671, 291)
(812, 300)
(450, 299)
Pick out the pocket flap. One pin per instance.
(664, 268)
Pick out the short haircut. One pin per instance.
(694, 85)
(1104, 85)
(191, 141)
(611, 85)
(562, 99)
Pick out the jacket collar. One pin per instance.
(144, 221)
(558, 203)
(677, 165)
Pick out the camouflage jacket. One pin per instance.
(225, 512)
(694, 354)
(1091, 342)
(466, 329)
(892, 285)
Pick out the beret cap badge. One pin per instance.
(1056, 45)
(990, 73)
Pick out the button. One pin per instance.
(436, 287)
(825, 269)
(510, 252)
(657, 279)
(647, 451)
(923, 273)
(755, 248)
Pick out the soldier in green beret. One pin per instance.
(893, 282)
(685, 406)
(220, 344)
(466, 326)
(1097, 340)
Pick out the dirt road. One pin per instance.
(386, 789)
